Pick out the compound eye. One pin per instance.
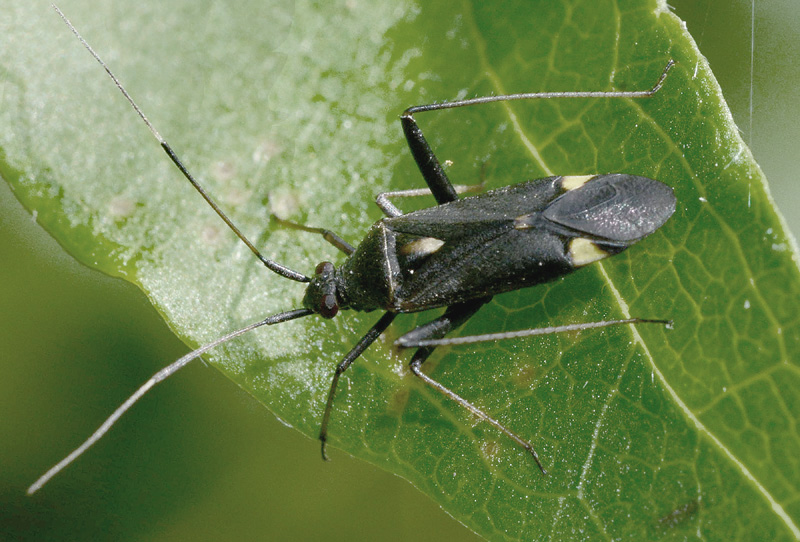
(324, 268)
(328, 307)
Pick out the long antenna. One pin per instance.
(282, 270)
(160, 376)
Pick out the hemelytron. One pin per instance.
(438, 257)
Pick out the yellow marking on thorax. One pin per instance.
(523, 222)
(424, 246)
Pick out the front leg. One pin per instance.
(374, 332)
(331, 237)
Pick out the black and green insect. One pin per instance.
(456, 255)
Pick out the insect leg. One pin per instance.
(333, 238)
(429, 165)
(535, 96)
(440, 186)
(416, 367)
(454, 316)
(389, 209)
(374, 332)
(408, 341)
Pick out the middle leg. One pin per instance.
(390, 210)
(453, 317)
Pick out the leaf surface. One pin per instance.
(293, 109)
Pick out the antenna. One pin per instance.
(160, 376)
(174, 367)
(282, 270)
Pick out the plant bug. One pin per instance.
(456, 255)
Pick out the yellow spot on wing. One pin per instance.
(571, 182)
(583, 252)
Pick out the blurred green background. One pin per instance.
(68, 332)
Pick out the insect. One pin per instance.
(456, 255)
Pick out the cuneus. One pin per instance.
(536, 231)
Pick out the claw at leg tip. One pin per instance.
(324, 454)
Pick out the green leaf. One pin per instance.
(644, 432)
